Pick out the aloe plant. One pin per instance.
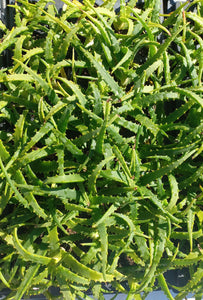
(101, 149)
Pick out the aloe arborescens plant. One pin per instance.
(101, 149)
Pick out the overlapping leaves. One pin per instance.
(100, 149)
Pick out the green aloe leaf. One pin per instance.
(41, 259)
(64, 179)
(165, 170)
(104, 74)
